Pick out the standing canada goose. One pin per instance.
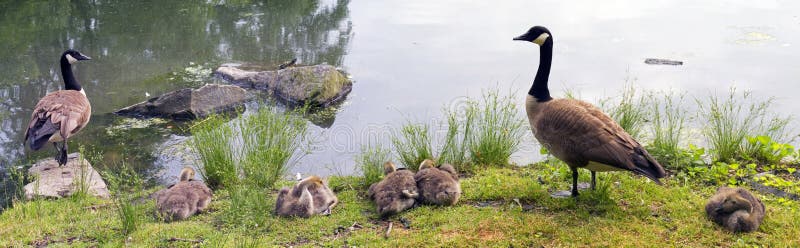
(60, 114)
(396, 192)
(184, 198)
(577, 132)
(437, 185)
(736, 209)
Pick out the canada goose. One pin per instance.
(396, 192)
(736, 209)
(577, 132)
(438, 186)
(309, 197)
(183, 199)
(60, 114)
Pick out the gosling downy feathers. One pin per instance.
(61, 114)
(438, 185)
(396, 192)
(736, 209)
(309, 197)
(183, 199)
(577, 132)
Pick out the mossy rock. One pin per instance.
(316, 85)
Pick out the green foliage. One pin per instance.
(271, 142)
(210, 141)
(667, 128)
(729, 121)
(125, 184)
(371, 161)
(413, 144)
(498, 129)
(249, 208)
(781, 183)
(456, 143)
(630, 113)
(267, 143)
(766, 151)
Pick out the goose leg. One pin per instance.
(574, 181)
(62, 154)
(593, 180)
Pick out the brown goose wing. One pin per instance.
(579, 134)
(64, 111)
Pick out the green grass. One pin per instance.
(668, 124)
(210, 142)
(728, 122)
(500, 207)
(412, 143)
(256, 149)
(498, 129)
(370, 162)
(271, 143)
(631, 112)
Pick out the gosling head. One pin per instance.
(187, 173)
(388, 167)
(537, 34)
(72, 56)
(427, 164)
(734, 203)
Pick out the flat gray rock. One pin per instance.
(189, 104)
(316, 85)
(56, 182)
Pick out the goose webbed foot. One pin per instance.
(61, 157)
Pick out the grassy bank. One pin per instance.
(500, 207)
(503, 205)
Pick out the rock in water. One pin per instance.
(317, 85)
(189, 104)
(56, 182)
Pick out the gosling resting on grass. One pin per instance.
(309, 197)
(438, 185)
(396, 192)
(184, 199)
(577, 132)
(61, 114)
(736, 209)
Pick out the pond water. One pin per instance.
(409, 60)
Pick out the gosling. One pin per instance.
(396, 192)
(438, 186)
(309, 197)
(736, 209)
(183, 199)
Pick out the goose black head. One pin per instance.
(537, 34)
(73, 56)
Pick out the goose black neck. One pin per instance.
(539, 88)
(66, 73)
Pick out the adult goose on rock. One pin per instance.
(577, 132)
(60, 114)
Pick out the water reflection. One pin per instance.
(137, 46)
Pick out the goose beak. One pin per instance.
(83, 57)
(521, 37)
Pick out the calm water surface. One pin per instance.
(409, 60)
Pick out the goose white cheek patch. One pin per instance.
(71, 59)
(542, 37)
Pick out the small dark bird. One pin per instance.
(736, 209)
(577, 132)
(61, 114)
(287, 64)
